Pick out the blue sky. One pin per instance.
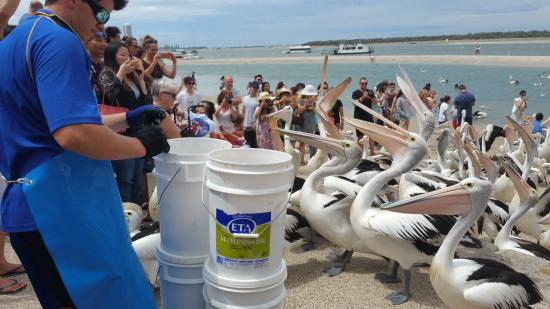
(277, 22)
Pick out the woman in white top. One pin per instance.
(444, 110)
(520, 105)
(188, 96)
(224, 116)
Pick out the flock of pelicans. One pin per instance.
(414, 211)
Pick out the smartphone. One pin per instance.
(302, 102)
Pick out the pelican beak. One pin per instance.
(332, 130)
(327, 101)
(395, 141)
(521, 186)
(488, 164)
(450, 201)
(473, 158)
(284, 114)
(330, 145)
(406, 85)
(509, 135)
(525, 136)
(385, 120)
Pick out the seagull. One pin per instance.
(423, 70)
(443, 80)
(538, 84)
(511, 80)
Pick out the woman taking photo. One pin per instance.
(263, 128)
(152, 60)
(122, 85)
(224, 117)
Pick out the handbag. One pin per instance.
(105, 109)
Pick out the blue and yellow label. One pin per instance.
(241, 252)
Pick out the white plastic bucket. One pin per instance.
(183, 220)
(226, 293)
(181, 283)
(248, 191)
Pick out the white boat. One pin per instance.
(300, 49)
(352, 49)
(187, 55)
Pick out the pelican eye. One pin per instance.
(412, 138)
(347, 145)
(468, 185)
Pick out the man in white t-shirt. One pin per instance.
(250, 102)
(520, 105)
(188, 96)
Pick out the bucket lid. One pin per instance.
(250, 159)
(192, 149)
(273, 279)
(180, 260)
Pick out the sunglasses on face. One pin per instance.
(173, 95)
(190, 83)
(101, 14)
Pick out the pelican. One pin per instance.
(384, 232)
(469, 283)
(528, 198)
(511, 80)
(285, 114)
(443, 80)
(328, 214)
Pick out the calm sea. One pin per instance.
(488, 83)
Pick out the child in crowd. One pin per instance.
(239, 125)
(538, 124)
(250, 138)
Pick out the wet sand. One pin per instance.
(516, 61)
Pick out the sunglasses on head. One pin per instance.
(101, 14)
(101, 35)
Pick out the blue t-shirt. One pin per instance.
(30, 112)
(537, 127)
(465, 101)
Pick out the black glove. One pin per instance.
(153, 140)
(153, 117)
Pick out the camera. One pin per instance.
(229, 101)
(269, 103)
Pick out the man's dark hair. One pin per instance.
(111, 32)
(128, 40)
(539, 116)
(391, 84)
(119, 4)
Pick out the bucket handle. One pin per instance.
(165, 188)
(241, 235)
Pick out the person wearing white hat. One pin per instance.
(263, 127)
(307, 113)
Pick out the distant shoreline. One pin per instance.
(542, 62)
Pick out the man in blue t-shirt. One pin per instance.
(464, 101)
(48, 108)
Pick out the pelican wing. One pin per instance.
(343, 184)
(498, 210)
(407, 226)
(499, 286)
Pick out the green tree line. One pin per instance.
(468, 36)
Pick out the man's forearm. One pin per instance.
(98, 142)
(116, 122)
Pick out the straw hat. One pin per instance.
(308, 90)
(265, 96)
(281, 91)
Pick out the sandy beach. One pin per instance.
(510, 61)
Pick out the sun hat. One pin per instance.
(282, 90)
(308, 90)
(265, 96)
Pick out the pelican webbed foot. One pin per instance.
(398, 298)
(337, 258)
(309, 246)
(338, 268)
(391, 276)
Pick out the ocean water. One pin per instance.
(488, 83)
